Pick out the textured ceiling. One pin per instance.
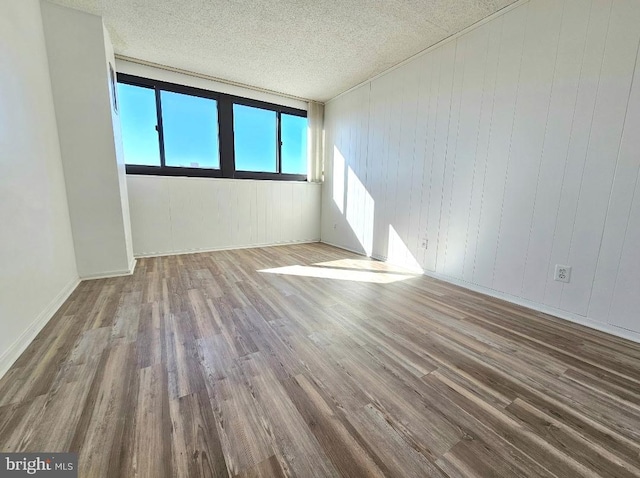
(313, 49)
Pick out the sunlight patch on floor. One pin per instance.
(365, 264)
(346, 274)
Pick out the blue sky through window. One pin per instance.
(294, 144)
(254, 131)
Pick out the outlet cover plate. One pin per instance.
(563, 273)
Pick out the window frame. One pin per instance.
(226, 146)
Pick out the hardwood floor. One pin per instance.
(209, 365)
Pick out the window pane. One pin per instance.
(254, 135)
(294, 144)
(138, 121)
(190, 127)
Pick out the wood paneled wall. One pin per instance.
(509, 149)
(176, 215)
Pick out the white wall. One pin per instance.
(37, 264)
(175, 215)
(511, 148)
(89, 132)
(119, 149)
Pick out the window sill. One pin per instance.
(210, 173)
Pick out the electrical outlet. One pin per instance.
(425, 243)
(563, 273)
(335, 225)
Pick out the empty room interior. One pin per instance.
(320, 239)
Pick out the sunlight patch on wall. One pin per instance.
(338, 179)
(399, 253)
(360, 211)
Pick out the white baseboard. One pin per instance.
(108, 275)
(561, 314)
(360, 253)
(545, 309)
(11, 354)
(226, 248)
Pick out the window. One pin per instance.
(254, 139)
(190, 126)
(138, 120)
(294, 144)
(176, 130)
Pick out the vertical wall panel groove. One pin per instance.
(452, 150)
(480, 158)
(510, 57)
(496, 51)
(504, 276)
